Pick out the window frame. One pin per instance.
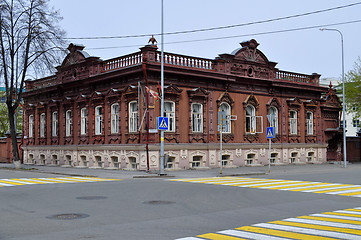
(54, 125)
(251, 123)
(42, 125)
(31, 126)
(309, 123)
(274, 124)
(197, 118)
(133, 117)
(114, 119)
(83, 121)
(170, 115)
(68, 122)
(98, 120)
(228, 126)
(293, 123)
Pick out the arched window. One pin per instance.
(83, 121)
(293, 122)
(31, 126)
(68, 123)
(250, 119)
(309, 123)
(115, 118)
(274, 120)
(42, 125)
(55, 124)
(98, 120)
(169, 112)
(224, 107)
(197, 117)
(133, 116)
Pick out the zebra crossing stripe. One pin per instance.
(327, 218)
(248, 235)
(323, 223)
(10, 182)
(216, 236)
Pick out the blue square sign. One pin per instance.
(270, 132)
(162, 123)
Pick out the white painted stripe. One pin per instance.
(349, 212)
(346, 191)
(323, 223)
(355, 195)
(307, 231)
(15, 181)
(74, 180)
(336, 216)
(286, 185)
(250, 182)
(189, 238)
(250, 235)
(313, 184)
(55, 180)
(7, 185)
(37, 180)
(265, 184)
(322, 189)
(225, 181)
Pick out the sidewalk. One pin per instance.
(201, 173)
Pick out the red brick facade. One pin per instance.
(92, 113)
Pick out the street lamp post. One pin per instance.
(343, 95)
(162, 91)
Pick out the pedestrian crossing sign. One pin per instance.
(162, 123)
(270, 132)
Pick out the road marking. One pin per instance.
(311, 227)
(283, 185)
(32, 181)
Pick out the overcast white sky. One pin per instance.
(305, 51)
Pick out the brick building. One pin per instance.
(93, 113)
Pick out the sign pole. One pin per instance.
(269, 156)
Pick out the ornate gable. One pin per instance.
(273, 102)
(225, 97)
(251, 99)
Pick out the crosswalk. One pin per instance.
(341, 189)
(342, 224)
(29, 181)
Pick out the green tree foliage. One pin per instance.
(353, 89)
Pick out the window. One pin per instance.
(42, 125)
(170, 162)
(42, 159)
(98, 120)
(133, 162)
(31, 158)
(169, 112)
(225, 160)
(273, 157)
(356, 123)
(274, 121)
(309, 122)
(55, 124)
(68, 123)
(345, 123)
(293, 157)
(68, 160)
(98, 161)
(54, 160)
(197, 117)
(83, 161)
(293, 122)
(310, 156)
(115, 161)
(133, 116)
(83, 121)
(250, 119)
(115, 118)
(224, 107)
(250, 158)
(196, 161)
(31, 126)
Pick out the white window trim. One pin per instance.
(198, 117)
(274, 124)
(171, 116)
(293, 123)
(55, 124)
(114, 119)
(228, 128)
(133, 118)
(31, 126)
(68, 123)
(252, 120)
(98, 120)
(309, 123)
(42, 125)
(83, 121)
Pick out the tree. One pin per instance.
(30, 44)
(353, 89)
(4, 119)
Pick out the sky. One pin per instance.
(304, 51)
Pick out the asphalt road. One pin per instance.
(155, 208)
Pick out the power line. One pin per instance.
(219, 28)
(236, 36)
